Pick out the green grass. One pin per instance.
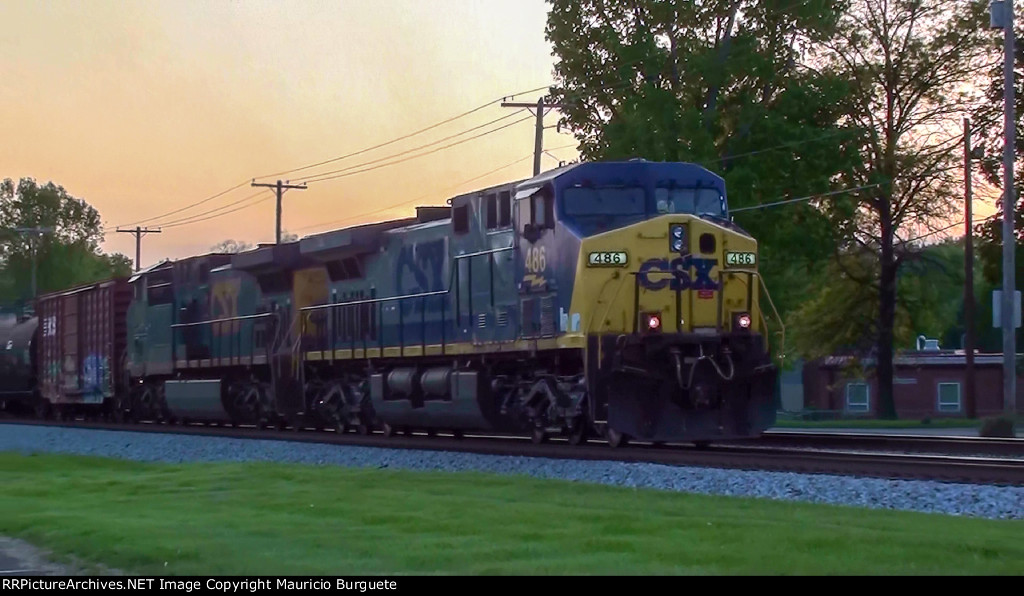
(872, 423)
(287, 519)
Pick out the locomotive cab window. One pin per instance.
(696, 201)
(542, 210)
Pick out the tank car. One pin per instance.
(18, 379)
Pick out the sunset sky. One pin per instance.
(142, 108)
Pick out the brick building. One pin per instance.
(926, 384)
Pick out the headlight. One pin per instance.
(677, 245)
(651, 322)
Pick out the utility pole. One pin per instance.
(969, 402)
(1001, 14)
(538, 140)
(280, 191)
(139, 233)
(33, 233)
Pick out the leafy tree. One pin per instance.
(231, 246)
(722, 83)
(910, 63)
(236, 246)
(67, 256)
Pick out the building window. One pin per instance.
(858, 397)
(949, 397)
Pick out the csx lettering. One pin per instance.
(680, 278)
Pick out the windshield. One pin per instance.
(699, 201)
(604, 201)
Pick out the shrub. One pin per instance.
(997, 426)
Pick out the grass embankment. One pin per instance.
(286, 519)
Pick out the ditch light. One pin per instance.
(650, 322)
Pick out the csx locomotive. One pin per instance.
(607, 299)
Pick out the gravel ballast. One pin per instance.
(993, 502)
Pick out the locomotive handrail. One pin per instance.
(374, 300)
(227, 320)
(406, 296)
(453, 282)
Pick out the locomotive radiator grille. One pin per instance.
(547, 316)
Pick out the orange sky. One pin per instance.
(141, 108)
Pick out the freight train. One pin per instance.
(606, 299)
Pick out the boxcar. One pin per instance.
(82, 347)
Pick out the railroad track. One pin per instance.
(945, 445)
(747, 455)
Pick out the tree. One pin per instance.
(722, 83)
(231, 246)
(910, 63)
(67, 257)
(842, 318)
(236, 246)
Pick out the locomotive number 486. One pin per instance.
(536, 259)
(607, 259)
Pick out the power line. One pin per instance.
(279, 188)
(403, 137)
(807, 198)
(197, 218)
(139, 232)
(196, 204)
(185, 223)
(538, 138)
(420, 198)
(442, 148)
(353, 154)
(406, 152)
(447, 189)
(201, 216)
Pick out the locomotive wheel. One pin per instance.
(363, 428)
(578, 435)
(387, 429)
(44, 410)
(539, 436)
(616, 439)
(457, 434)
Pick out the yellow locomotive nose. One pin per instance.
(673, 273)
